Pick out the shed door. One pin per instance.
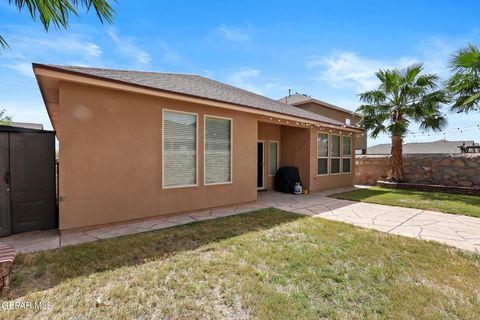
(32, 166)
(4, 187)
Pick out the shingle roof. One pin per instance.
(295, 98)
(195, 85)
(299, 98)
(440, 146)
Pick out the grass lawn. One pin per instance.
(266, 264)
(435, 201)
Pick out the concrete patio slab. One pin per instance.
(33, 241)
(455, 230)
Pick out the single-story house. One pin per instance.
(138, 144)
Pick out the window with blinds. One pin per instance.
(335, 159)
(272, 158)
(322, 153)
(179, 149)
(347, 154)
(218, 150)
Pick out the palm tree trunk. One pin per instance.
(396, 160)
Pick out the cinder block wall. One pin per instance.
(461, 170)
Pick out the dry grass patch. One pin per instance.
(266, 264)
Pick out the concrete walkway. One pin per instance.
(455, 230)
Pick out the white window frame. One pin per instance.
(339, 154)
(205, 154)
(163, 150)
(349, 157)
(278, 153)
(328, 154)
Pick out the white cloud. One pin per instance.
(126, 45)
(354, 73)
(343, 69)
(256, 81)
(245, 79)
(23, 68)
(72, 43)
(168, 55)
(235, 34)
(93, 49)
(85, 65)
(208, 73)
(436, 53)
(48, 48)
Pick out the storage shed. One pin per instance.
(27, 180)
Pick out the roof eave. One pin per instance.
(325, 104)
(35, 65)
(38, 66)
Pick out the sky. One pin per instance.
(326, 49)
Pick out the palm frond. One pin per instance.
(472, 99)
(466, 103)
(391, 81)
(57, 12)
(429, 81)
(428, 106)
(413, 71)
(3, 43)
(464, 86)
(103, 9)
(399, 127)
(466, 59)
(377, 130)
(373, 97)
(434, 122)
(373, 118)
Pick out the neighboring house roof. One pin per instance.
(440, 146)
(194, 85)
(28, 125)
(298, 99)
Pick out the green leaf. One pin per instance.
(472, 99)
(57, 12)
(3, 43)
(464, 84)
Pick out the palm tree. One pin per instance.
(404, 96)
(464, 84)
(57, 12)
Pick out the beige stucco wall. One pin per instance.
(296, 151)
(111, 151)
(269, 132)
